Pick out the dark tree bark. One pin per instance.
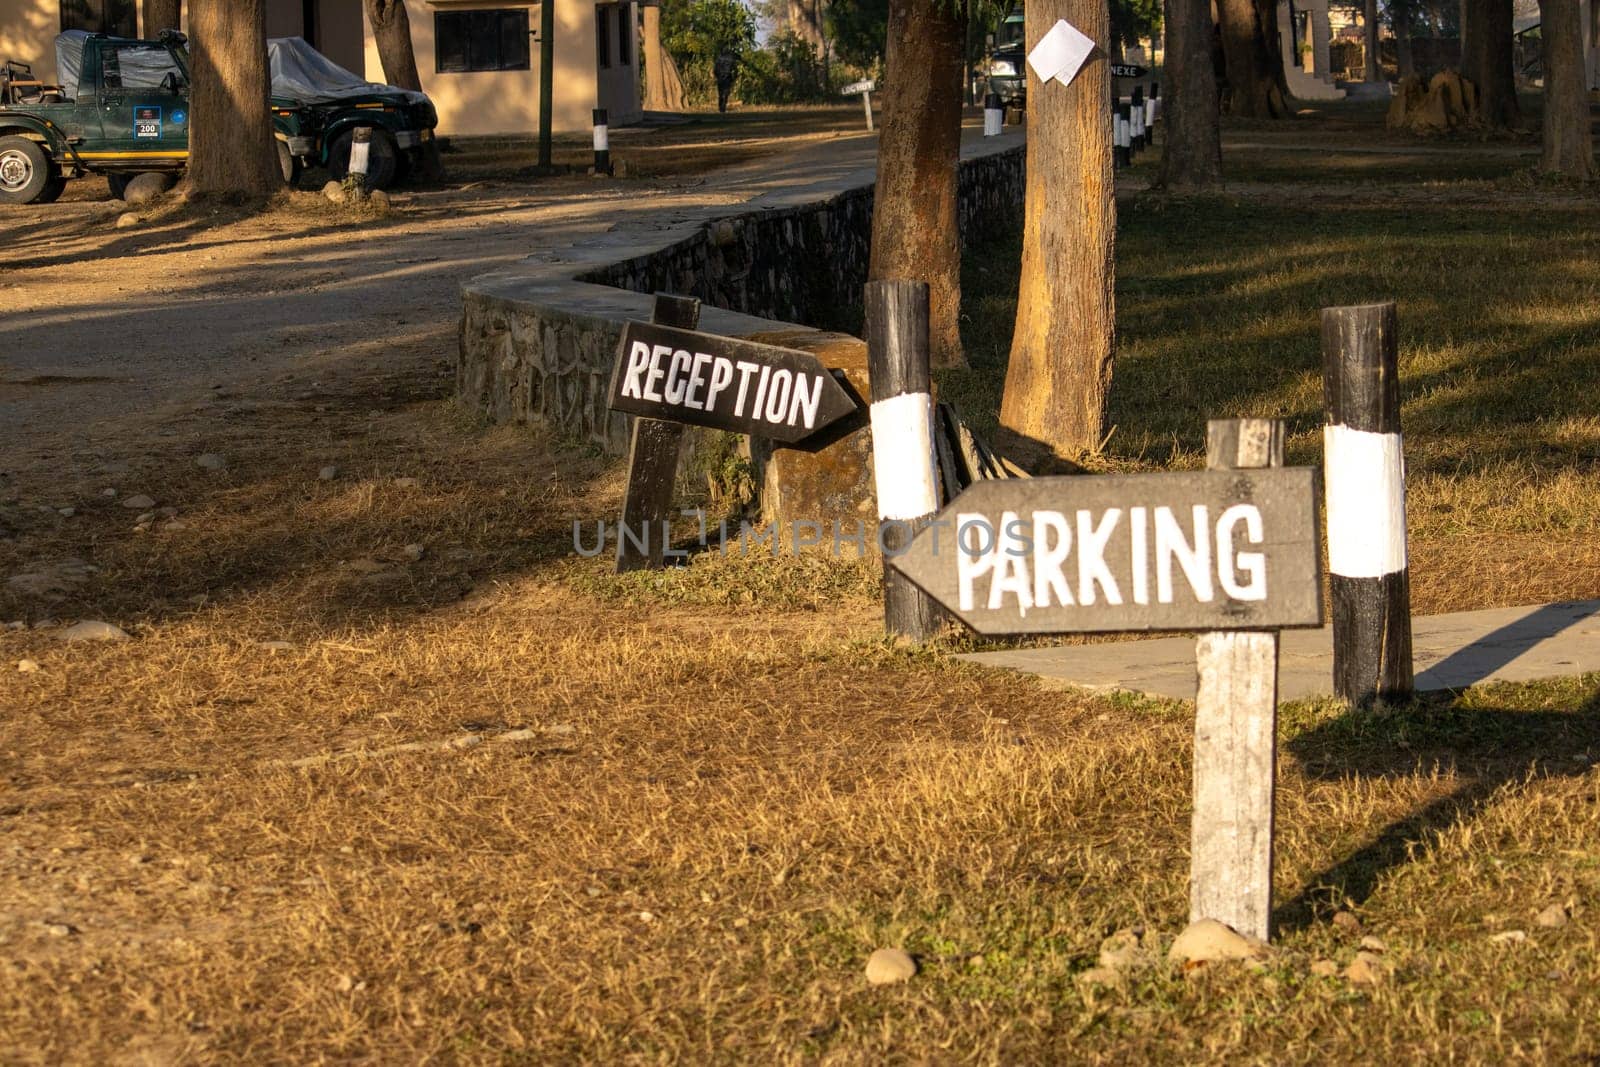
(231, 147)
(1061, 352)
(1405, 57)
(1487, 61)
(1191, 157)
(1255, 71)
(161, 15)
(1369, 37)
(391, 27)
(1568, 143)
(915, 231)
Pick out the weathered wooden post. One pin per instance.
(1235, 734)
(1364, 481)
(602, 145)
(1152, 108)
(994, 114)
(1140, 140)
(1122, 155)
(903, 459)
(360, 157)
(653, 463)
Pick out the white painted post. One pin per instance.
(602, 142)
(360, 156)
(994, 115)
(1235, 735)
(866, 104)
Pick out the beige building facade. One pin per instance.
(477, 59)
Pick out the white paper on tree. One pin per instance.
(1060, 53)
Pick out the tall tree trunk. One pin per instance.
(161, 15)
(231, 147)
(663, 88)
(1568, 143)
(1191, 156)
(391, 27)
(1404, 56)
(1487, 61)
(1254, 89)
(915, 228)
(1369, 37)
(1061, 352)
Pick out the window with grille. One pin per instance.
(466, 41)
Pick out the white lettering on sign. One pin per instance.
(702, 381)
(1026, 558)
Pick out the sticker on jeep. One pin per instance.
(147, 123)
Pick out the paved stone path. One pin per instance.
(1449, 652)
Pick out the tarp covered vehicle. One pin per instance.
(122, 108)
(333, 102)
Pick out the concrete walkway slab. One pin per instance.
(1449, 652)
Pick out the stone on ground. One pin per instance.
(27, 666)
(1368, 968)
(127, 221)
(1347, 922)
(328, 474)
(93, 630)
(147, 187)
(414, 552)
(378, 196)
(1209, 941)
(138, 502)
(211, 462)
(1324, 968)
(887, 966)
(334, 191)
(1552, 918)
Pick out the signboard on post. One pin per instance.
(1207, 550)
(853, 88)
(704, 380)
(1128, 70)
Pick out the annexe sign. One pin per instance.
(1128, 70)
(699, 378)
(1204, 550)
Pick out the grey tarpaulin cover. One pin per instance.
(142, 65)
(303, 74)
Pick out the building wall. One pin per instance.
(617, 83)
(28, 31)
(336, 29)
(506, 102)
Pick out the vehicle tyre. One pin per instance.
(383, 158)
(119, 185)
(25, 172)
(52, 190)
(288, 165)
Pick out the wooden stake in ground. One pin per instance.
(231, 147)
(1568, 142)
(653, 463)
(915, 228)
(1191, 151)
(1364, 478)
(1061, 350)
(904, 464)
(1235, 735)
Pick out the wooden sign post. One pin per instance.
(1233, 551)
(865, 89)
(671, 376)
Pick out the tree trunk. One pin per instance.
(231, 147)
(915, 229)
(391, 27)
(161, 15)
(1405, 57)
(1191, 155)
(1369, 42)
(663, 88)
(1061, 352)
(1487, 61)
(1568, 143)
(1254, 89)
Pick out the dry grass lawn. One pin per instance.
(491, 805)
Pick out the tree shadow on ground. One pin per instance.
(1487, 747)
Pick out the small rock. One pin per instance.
(1347, 922)
(27, 666)
(646, 917)
(414, 552)
(66, 513)
(334, 191)
(887, 966)
(1374, 944)
(60, 929)
(138, 502)
(378, 196)
(1324, 968)
(1509, 937)
(1366, 969)
(406, 483)
(1209, 941)
(147, 187)
(145, 519)
(211, 462)
(92, 630)
(108, 493)
(328, 474)
(127, 221)
(1552, 918)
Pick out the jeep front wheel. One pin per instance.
(26, 174)
(383, 156)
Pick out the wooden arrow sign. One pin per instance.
(705, 380)
(1212, 550)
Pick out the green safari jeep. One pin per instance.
(122, 109)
